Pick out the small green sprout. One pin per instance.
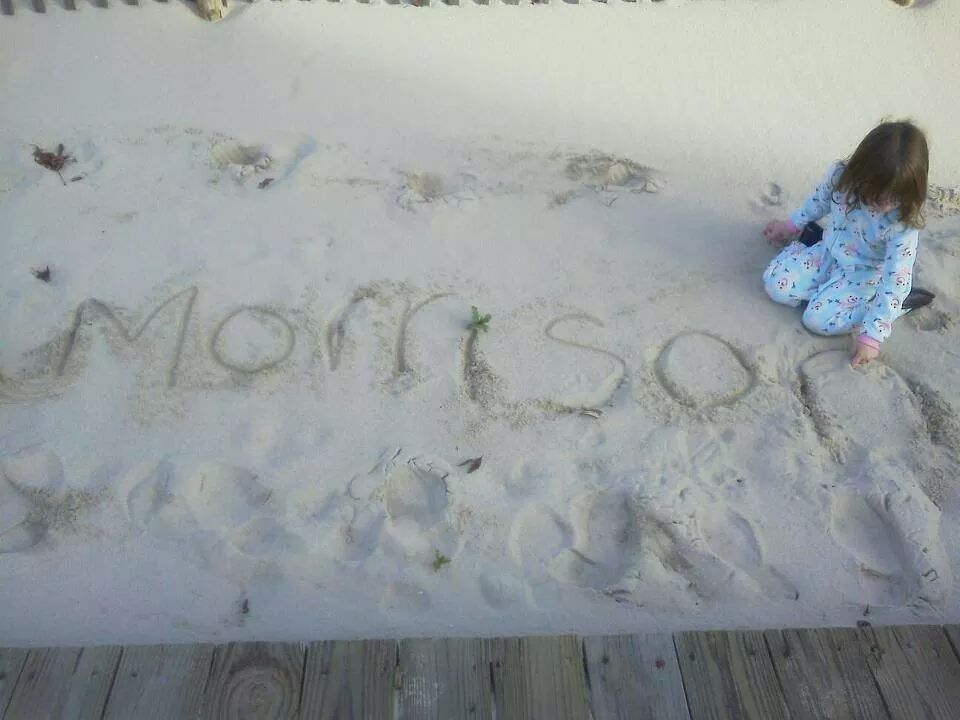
(439, 560)
(478, 321)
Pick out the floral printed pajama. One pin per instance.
(857, 277)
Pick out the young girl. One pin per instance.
(857, 278)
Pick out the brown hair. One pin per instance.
(889, 165)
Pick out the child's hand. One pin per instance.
(780, 232)
(863, 353)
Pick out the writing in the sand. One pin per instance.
(251, 340)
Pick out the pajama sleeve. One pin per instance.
(818, 204)
(895, 284)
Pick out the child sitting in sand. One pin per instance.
(859, 277)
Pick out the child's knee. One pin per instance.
(821, 324)
(778, 288)
(814, 323)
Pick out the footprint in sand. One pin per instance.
(615, 546)
(402, 499)
(538, 538)
(216, 497)
(222, 495)
(875, 416)
(417, 491)
(338, 526)
(361, 534)
(503, 592)
(415, 500)
(671, 558)
(152, 504)
(608, 534)
(852, 408)
(34, 501)
(731, 537)
(894, 539)
(886, 516)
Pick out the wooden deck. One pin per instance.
(870, 673)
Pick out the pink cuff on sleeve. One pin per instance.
(868, 341)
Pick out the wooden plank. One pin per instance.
(634, 677)
(159, 682)
(953, 633)
(444, 679)
(91, 683)
(43, 684)
(935, 666)
(255, 680)
(824, 674)
(347, 680)
(729, 676)
(509, 677)
(11, 663)
(538, 678)
(64, 683)
(916, 670)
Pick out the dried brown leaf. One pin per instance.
(472, 465)
(55, 161)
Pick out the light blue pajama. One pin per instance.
(857, 277)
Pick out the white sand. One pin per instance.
(231, 397)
